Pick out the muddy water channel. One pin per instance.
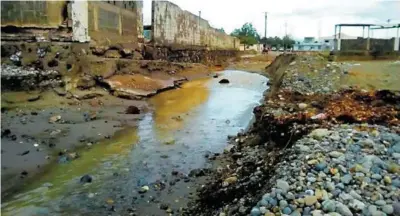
(184, 125)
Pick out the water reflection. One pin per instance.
(173, 106)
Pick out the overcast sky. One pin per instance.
(303, 17)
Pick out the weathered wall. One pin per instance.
(114, 24)
(45, 14)
(360, 44)
(172, 26)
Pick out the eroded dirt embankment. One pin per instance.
(244, 173)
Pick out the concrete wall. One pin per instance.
(360, 44)
(111, 24)
(42, 14)
(172, 26)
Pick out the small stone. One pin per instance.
(90, 195)
(345, 196)
(376, 176)
(263, 209)
(396, 208)
(319, 133)
(290, 196)
(86, 179)
(335, 154)
(393, 168)
(328, 206)
(309, 192)
(355, 195)
(317, 213)
(283, 204)
(343, 209)
(311, 179)
(333, 171)
(144, 189)
(273, 202)
(312, 162)
(380, 202)
(310, 200)
(346, 179)
(320, 166)
(282, 184)
(329, 186)
(388, 209)
(255, 211)
(356, 205)
(387, 180)
(54, 119)
(302, 106)
(295, 213)
(231, 180)
(287, 211)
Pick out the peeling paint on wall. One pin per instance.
(80, 22)
(172, 26)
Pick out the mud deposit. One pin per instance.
(153, 166)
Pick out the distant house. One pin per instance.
(311, 44)
(323, 43)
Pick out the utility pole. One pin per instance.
(283, 39)
(265, 28)
(387, 31)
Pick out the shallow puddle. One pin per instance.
(187, 123)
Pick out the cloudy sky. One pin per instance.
(303, 17)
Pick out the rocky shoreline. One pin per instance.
(315, 148)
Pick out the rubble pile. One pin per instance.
(16, 78)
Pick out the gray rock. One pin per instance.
(343, 209)
(388, 209)
(376, 176)
(255, 212)
(356, 205)
(340, 186)
(346, 179)
(303, 148)
(380, 202)
(396, 183)
(355, 195)
(263, 209)
(317, 213)
(295, 213)
(329, 186)
(287, 211)
(335, 154)
(396, 208)
(311, 179)
(320, 166)
(346, 197)
(329, 206)
(283, 204)
(319, 133)
(290, 196)
(367, 143)
(282, 184)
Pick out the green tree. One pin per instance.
(221, 30)
(278, 42)
(288, 42)
(247, 34)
